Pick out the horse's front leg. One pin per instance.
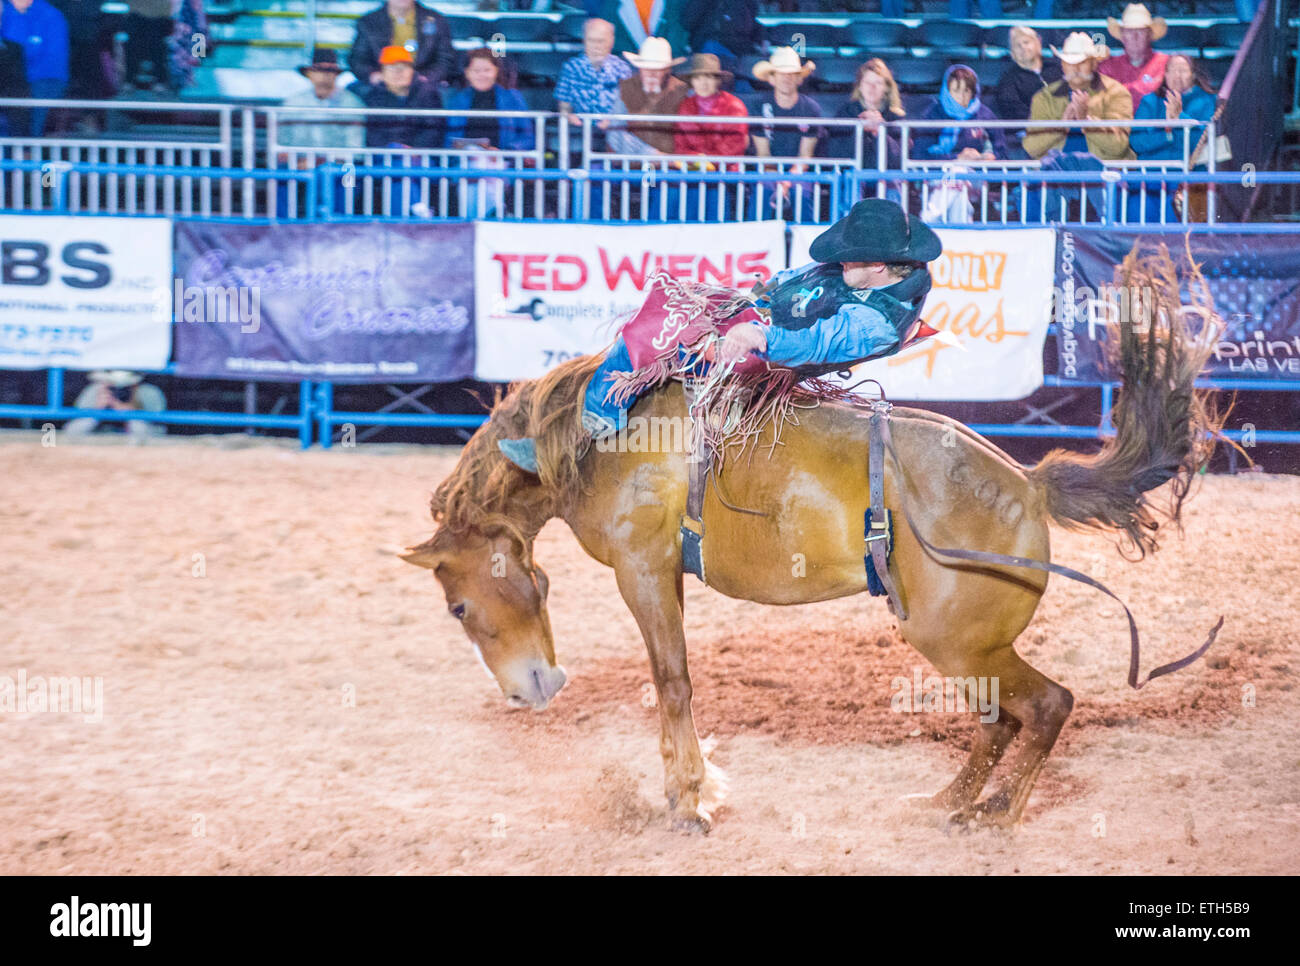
(694, 786)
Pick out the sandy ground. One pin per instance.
(305, 704)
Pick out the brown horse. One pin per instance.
(957, 488)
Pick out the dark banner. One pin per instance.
(1252, 279)
(342, 303)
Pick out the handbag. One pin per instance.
(1222, 151)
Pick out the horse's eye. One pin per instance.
(458, 611)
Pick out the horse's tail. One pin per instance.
(1165, 428)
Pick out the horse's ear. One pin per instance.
(424, 556)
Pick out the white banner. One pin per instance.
(546, 293)
(993, 291)
(85, 293)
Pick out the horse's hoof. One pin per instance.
(977, 816)
(927, 802)
(689, 824)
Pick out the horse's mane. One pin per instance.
(484, 489)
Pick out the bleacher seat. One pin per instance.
(876, 34)
(837, 71)
(919, 73)
(946, 34)
(1183, 36)
(570, 26)
(1227, 35)
(540, 64)
(814, 35)
(513, 28)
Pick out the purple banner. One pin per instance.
(342, 303)
(1252, 279)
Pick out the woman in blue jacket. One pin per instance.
(483, 134)
(958, 100)
(485, 94)
(1186, 94)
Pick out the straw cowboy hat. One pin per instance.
(1136, 16)
(117, 378)
(784, 60)
(322, 58)
(656, 54)
(1079, 47)
(707, 64)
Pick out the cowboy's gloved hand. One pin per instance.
(740, 341)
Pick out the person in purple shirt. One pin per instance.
(42, 32)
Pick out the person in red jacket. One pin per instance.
(708, 99)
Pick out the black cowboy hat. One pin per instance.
(876, 230)
(322, 58)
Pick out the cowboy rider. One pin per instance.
(861, 299)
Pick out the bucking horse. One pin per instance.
(970, 553)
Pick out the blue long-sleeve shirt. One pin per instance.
(1157, 144)
(43, 33)
(854, 332)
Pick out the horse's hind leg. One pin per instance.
(1041, 706)
(991, 740)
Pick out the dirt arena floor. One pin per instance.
(297, 700)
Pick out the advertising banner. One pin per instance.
(993, 292)
(1252, 279)
(85, 292)
(342, 302)
(548, 293)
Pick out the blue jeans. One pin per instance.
(45, 87)
(616, 360)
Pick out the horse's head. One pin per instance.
(499, 596)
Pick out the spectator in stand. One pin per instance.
(13, 83)
(589, 82)
(403, 23)
(1083, 94)
(187, 43)
(785, 72)
(959, 100)
(636, 20)
(43, 34)
(708, 99)
(875, 101)
(1139, 68)
(90, 69)
(148, 24)
(484, 93)
(484, 135)
(402, 89)
(727, 28)
(315, 130)
(1185, 94)
(652, 91)
(1025, 76)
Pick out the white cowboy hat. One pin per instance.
(783, 60)
(656, 53)
(117, 378)
(1136, 16)
(1079, 47)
